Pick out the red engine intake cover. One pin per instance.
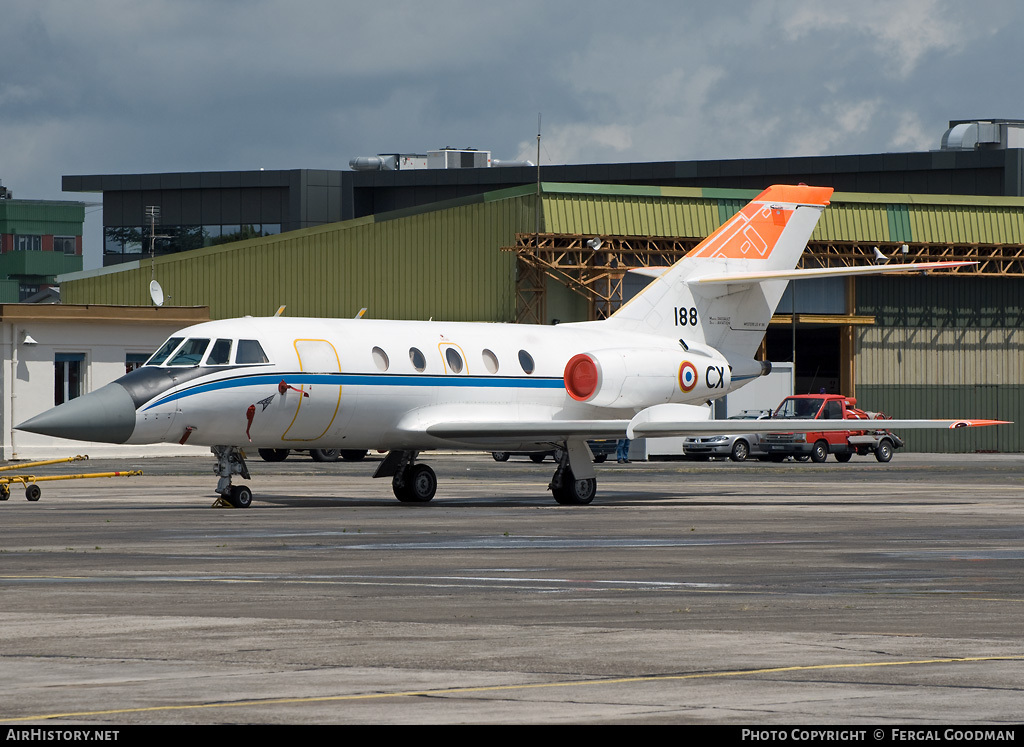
(581, 377)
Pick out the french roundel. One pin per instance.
(687, 376)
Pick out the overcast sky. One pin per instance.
(128, 86)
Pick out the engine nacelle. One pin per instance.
(642, 377)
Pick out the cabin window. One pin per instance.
(454, 360)
(191, 352)
(165, 350)
(380, 359)
(250, 351)
(220, 353)
(526, 361)
(417, 359)
(490, 361)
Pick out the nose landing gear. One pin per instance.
(231, 461)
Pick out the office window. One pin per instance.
(68, 376)
(65, 244)
(28, 243)
(133, 361)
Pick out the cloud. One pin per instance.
(122, 86)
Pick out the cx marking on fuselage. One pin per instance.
(405, 387)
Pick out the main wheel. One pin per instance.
(575, 492)
(419, 483)
(32, 492)
(600, 458)
(353, 455)
(740, 450)
(844, 456)
(499, 456)
(273, 455)
(883, 452)
(538, 457)
(820, 452)
(324, 455)
(240, 496)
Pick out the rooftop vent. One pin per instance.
(983, 134)
(444, 158)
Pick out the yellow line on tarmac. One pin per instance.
(507, 688)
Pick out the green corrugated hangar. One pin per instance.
(908, 345)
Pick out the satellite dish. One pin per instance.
(156, 293)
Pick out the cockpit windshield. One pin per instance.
(165, 350)
(220, 353)
(191, 353)
(178, 351)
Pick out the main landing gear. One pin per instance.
(573, 483)
(410, 482)
(567, 490)
(231, 461)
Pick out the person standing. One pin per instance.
(622, 451)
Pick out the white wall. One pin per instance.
(27, 380)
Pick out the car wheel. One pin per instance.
(820, 452)
(740, 450)
(883, 452)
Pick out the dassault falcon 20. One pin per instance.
(405, 387)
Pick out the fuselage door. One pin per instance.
(317, 392)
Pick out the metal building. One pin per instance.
(910, 346)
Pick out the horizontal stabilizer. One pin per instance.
(823, 272)
(651, 272)
(643, 428)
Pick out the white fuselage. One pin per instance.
(367, 384)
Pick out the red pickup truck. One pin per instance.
(871, 439)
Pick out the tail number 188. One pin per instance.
(686, 316)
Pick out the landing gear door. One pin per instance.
(317, 396)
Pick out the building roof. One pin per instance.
(443, 260)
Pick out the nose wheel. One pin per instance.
(231, 461)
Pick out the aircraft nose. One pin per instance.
(106, 415)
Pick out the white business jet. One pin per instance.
(405, 387)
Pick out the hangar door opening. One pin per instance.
(818, 355)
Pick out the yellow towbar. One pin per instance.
(33, 492)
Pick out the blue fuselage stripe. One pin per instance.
(385, 380)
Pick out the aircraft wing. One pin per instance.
(546, 430)
(640, 428)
